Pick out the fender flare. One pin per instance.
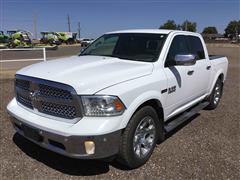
(218, 74)
(140, 100)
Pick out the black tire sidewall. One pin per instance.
(212, 105)
(146, 111)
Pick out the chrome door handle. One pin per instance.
(208, 67)
(190, 73)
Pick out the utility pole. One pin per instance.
(69, 23)
(35, 25)
(186, 25)
(237, 35)
(79, 29)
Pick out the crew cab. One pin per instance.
(124, 93)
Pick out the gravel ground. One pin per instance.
(207, 147)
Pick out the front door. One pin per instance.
(185, 83)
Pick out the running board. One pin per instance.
(184, 117)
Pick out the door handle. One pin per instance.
(208, 67)
(190, 73)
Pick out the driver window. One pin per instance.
(178, 46)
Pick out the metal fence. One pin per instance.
(23, 60)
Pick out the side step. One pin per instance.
(184, 117)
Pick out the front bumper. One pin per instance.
(72, 146)
(67, 138)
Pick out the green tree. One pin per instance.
(170, 24)
(189, 26)
(232, 29)
(210, 30)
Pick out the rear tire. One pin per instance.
(139, 138)
(215, 96)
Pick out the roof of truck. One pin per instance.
(153, 31)
(163, 31)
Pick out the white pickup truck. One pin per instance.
(120, 96)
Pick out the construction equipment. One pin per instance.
(50, 38)
(58, 38)
(19, 38)
(4, 39)
(67, 37)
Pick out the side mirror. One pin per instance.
(185, 59)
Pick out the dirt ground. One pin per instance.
(207, 147)
(62, 51)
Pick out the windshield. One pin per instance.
(130, 46)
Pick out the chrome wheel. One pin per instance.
(217, 93)
(144, 137)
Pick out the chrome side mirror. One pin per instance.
(185, 59)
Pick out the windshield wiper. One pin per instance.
(84, 54)
(126, 58)
(114, 56)
(98, 55)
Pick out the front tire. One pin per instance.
(139, 138)
(215, 96)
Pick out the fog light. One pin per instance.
(89, 147)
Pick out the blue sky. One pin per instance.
(99, 16)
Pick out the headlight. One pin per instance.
(102, 106)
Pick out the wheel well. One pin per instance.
(156, 104)
(221, 77)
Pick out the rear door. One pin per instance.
(202, 68)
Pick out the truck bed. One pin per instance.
(212, 57)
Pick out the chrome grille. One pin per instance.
(47, 97)
(64, 111)
(48, 91)
(26, 101)
(22, 84)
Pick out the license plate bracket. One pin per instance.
(32, 133)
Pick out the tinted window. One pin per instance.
(104, 46)
(178, 46)
(195, 47)
(128, 46)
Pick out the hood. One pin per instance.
(88, 74)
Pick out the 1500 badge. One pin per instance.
(171, 89)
